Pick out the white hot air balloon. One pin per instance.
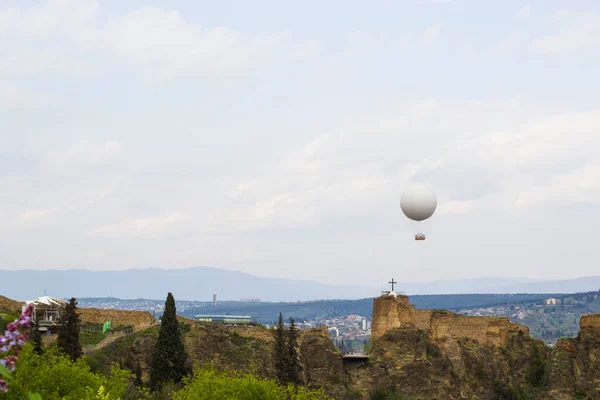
(418, 203)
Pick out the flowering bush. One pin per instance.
(11, 343)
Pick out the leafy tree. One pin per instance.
(54, 376)
(281, 351)
(36, 338)
(168, 359)
(68, 331)
(293, 367)
(209, 384)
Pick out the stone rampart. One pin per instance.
(391, 312)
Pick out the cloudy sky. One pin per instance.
(275, 137)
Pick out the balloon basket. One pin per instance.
(419, 236)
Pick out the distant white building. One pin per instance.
(364, 324)
(551, 301)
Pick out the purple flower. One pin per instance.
(14, 338)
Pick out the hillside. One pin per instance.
(242, 348)
(9, 305)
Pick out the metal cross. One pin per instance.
(392, 282)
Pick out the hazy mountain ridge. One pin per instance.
(199, 283)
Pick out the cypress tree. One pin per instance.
(281, 352)
(293, 368)
(138, 375)
(36, 337)
(168, 359)
(68, 331)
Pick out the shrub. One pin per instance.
(208, 383)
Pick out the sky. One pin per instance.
(276, 138)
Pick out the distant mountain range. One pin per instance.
(199, 283)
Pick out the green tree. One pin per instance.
(209, 384)
(36, 338)
(68, 331)
(138, 375)
(293, 367)
(168, 359)
(55, 376)
(281, 351)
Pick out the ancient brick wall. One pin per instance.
(422, 319)
(385, 314)
(394, 312)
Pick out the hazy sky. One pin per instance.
(275, 137)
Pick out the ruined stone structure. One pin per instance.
(394, 311)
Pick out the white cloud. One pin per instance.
(12, 98)
(172, 47)
(148, 226)
(343, 174)
(33, 216)
(83, 155)
(456, 207)
(577, 32)
(431, 33)
(73, 37)
(579, 186)
(524, 11)
(552, 140)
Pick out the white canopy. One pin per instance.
(47, 301)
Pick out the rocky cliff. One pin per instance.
(574, 367)
(428, 354)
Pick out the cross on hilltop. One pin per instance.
(392, 282)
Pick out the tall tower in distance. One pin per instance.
(214, 300)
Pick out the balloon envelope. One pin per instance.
(418, 202)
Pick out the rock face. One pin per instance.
(574, 368)
(426, 354)
(321, 361)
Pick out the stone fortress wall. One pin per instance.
(394, 311)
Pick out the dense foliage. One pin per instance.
(210, 384)
(68, 331)
(54, 375)
(168, 359)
